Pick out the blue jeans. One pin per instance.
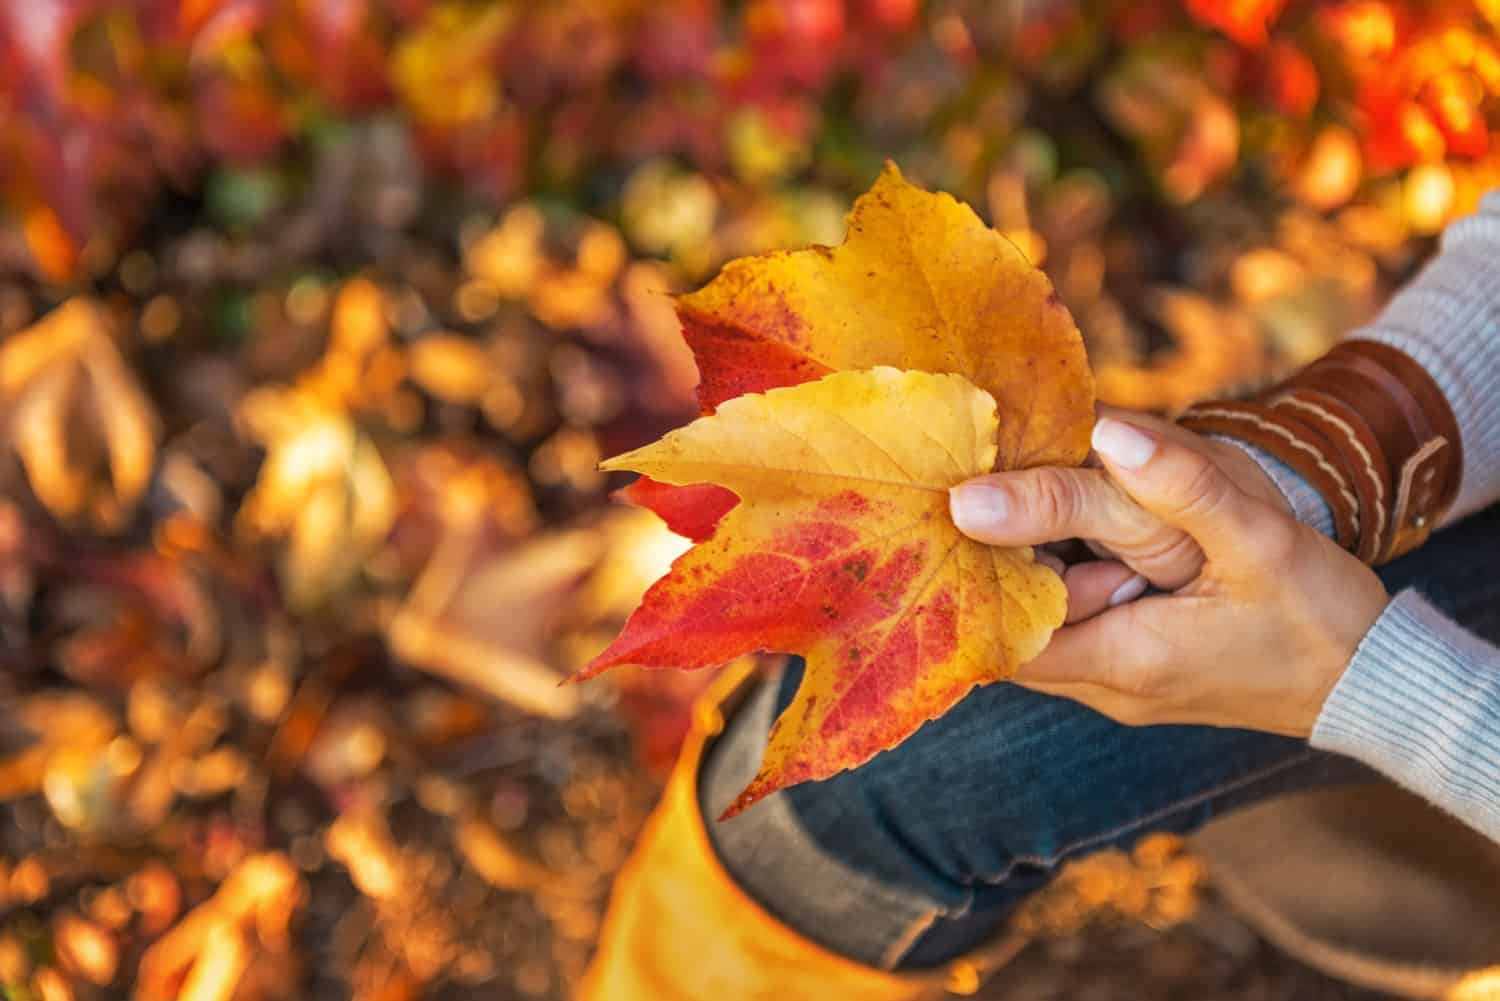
(922, 853)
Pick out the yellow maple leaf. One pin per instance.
(842, 549)
(920, 283)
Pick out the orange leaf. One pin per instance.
(841, 549)
(1291, 79)
(1246, 21)
(920, 283)
(76, 416)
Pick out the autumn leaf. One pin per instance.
(323, 488)
(1215, 346)
(692, 511)
(485, 618)
(237, 943)
(1246, 21)
(842, 550)
(75, 415)
(919, 283)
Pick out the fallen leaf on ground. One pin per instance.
(235, 944)
(486, 615)
(48, 727)
(76, 417)
(842, 550)
(1217, 347)
(323, 488)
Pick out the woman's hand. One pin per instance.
(1052, 503)
(1264, 613)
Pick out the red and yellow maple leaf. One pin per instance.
(842, 549)
(920, 283)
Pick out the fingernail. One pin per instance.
(1128, 591)
(978, 508)
(1123, 444)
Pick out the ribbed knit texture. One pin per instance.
(1420, 701)
(1448, 320)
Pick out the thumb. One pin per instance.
(1183, 488)
(1029, 507)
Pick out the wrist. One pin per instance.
(1362, 603)
(1417, 703)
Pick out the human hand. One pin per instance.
(1051, 503)
(1265, 612)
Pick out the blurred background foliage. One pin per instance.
(316, 316)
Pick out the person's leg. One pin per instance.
(923, 852)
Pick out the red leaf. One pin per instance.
(692, 511)
(1291, 80)
(1452, 99)
(843, 551)
(737, 359)
(1246, 21)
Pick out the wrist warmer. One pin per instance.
(1369, 429)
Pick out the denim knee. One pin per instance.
(1010, 783)
(916, 854)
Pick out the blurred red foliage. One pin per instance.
(106, 100)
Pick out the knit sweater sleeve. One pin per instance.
(1420, 701)
(1448, 319)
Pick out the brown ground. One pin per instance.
(1211, 957)
(485, 875)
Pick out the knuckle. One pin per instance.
(1139, 678)
(1153, 681)
(1169, 557)
(1055, 498)
(1205, 490)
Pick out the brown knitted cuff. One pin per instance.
(1370, 430)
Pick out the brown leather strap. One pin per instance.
(1417, 431)
(1291, 441)
(1370, 430)
(1357, 450)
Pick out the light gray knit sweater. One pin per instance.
(1420, 701)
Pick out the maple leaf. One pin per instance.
(919, 283)
(842, 549)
